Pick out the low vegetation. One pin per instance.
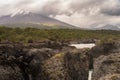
(29, 35)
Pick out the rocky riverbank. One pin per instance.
(20, 62)
(58, 61)
(106, 61)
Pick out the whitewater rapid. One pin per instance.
(82, 45)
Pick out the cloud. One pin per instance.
(112, 9)
(69, 7)
(112, 12)
(82, 13)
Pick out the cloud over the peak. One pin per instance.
(82, 13)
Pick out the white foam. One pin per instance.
(80, 46)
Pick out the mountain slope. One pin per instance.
(28, 19)
(106, 27)
(110, 27)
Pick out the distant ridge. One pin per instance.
(105, 27)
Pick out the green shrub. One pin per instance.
(29, 35)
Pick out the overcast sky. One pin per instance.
(82, 13)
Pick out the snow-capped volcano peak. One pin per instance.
(22, 18)
(18, 12)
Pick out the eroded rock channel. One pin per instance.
(59, 62)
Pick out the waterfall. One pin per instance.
(90, 74)
(88, 45)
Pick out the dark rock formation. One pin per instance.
(76, 63)
(106, 61)
(9, 70)
(67, 66)
(9, 73)
(42, 63)
(105, 49)
(57, 61)
(47, 44)
(28, 61)
(107, 67)
(36, 64)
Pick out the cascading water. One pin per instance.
(90, 74)
(89, 45)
